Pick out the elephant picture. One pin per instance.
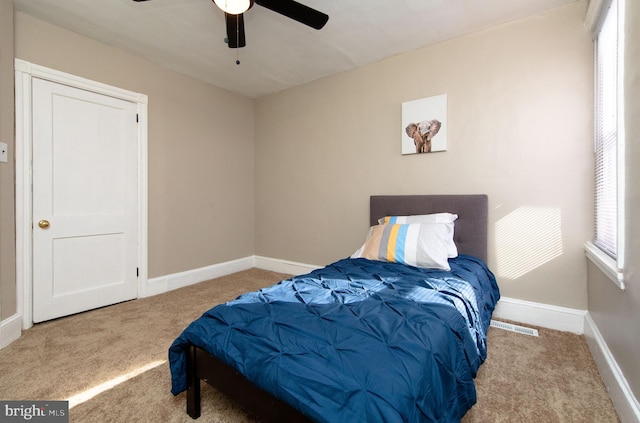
(424, 125)
(422, 133)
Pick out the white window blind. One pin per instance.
(607, 138)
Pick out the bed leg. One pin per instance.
(193, 385)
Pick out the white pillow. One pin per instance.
(419, 218)
(424, 245)
(424, 218)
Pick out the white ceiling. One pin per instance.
(187, 35)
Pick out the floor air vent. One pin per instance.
(514, 328)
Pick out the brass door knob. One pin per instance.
(44, 224)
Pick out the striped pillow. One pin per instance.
(416, 244)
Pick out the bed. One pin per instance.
(362, 339)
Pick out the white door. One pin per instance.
(85, 217)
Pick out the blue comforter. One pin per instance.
(358, 340)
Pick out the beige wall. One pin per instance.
(520, 116)
(7, 221)
(520, 130)
(615, 312)
(201, 149)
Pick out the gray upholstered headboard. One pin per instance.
(471, 226)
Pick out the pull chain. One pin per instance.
(238, 39)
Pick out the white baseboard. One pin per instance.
(161, 284)
(10, 330)
(538, 314)
(173, 281)
(621, 395)
(283, 266)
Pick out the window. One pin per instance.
(608, 242)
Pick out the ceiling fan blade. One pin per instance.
(235, 30)
(296, 11)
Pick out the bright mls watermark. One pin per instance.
(34, 411)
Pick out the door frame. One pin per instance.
(24, 74)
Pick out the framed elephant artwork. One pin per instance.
(424, 125)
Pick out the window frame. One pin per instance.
(612, 267)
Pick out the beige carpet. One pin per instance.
(551, 378)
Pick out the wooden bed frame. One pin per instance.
(470, 237)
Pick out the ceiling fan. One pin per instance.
(234, 9)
